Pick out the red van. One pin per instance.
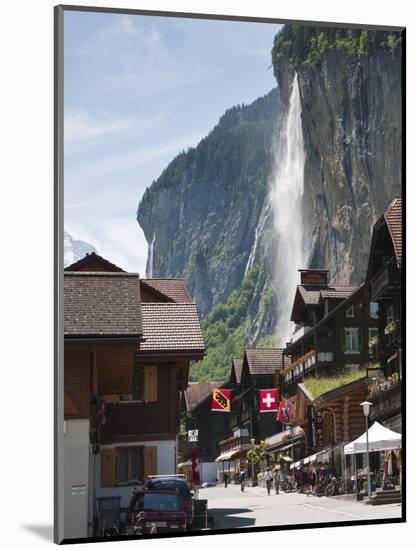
(156, 512)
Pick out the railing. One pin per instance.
(306, 360)
(386, 398)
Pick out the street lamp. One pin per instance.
(366, 410)
(252, 459)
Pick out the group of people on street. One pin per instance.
(307, 478)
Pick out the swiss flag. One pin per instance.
(268, 400)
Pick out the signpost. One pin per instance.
(193, 435)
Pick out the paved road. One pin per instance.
(231, 508)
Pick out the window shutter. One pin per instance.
(360, 340)
(108, 467)
(150, 383)
(150, 461)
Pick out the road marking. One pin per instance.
(332, 510)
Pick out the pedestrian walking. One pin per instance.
(242, 480)
(269, 480)
(225, 479)
(312, 479)
(276, 480)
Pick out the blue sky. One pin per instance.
(139, 90)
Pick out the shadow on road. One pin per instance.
(223, 518)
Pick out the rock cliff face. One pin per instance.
(209, 213)
(351, 119)
(204, 209)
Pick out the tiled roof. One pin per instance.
(95, 260)
(98, 304)
(174, 289)
(171, 327)
(393, 217)
(198, 391)
(238, 367)
(313, 296)
(264, 361)
(309, 296)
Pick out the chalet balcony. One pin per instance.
(386, 397)
(392, 334)
(235, 422)
(386, 282)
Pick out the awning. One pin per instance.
(380, 438)
(227, 456)
(287, 458)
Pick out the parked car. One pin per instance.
(181, 485)
(155, 512)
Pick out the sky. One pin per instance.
(138, 90)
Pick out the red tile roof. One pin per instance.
(197, 392)
(174, 289)
(393, 217)
(171, 327)
(264, 361)
(102, 304)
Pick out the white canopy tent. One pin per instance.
(380, 438)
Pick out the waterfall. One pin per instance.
(149, 263)
(286, 194)
(259, 230)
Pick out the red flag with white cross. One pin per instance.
(268, 400)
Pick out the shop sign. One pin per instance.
(318, 428)
(312, 426)
(193, 435)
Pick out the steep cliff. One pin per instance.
(209, 214)
(350, 87)
(202, 212)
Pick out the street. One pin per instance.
(230, 508)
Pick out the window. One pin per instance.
(352, 369)
(350, 312)
(374, 310)
(129, 464)
(351, 340)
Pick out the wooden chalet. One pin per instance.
(332, 331)
(384, 287)
(212, 426)
(330, 419)
(126, 365)
(258, 371)
(102, 331)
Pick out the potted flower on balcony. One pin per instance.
(390, 327)
(373, 341)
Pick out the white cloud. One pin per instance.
(81, 126)
(123, 162)
(119, 240)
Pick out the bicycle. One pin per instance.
(335, 486)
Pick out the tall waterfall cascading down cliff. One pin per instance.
(149, 263)
(287, 187)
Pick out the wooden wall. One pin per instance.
(115, 372)
(76, 383)
(156, 417)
